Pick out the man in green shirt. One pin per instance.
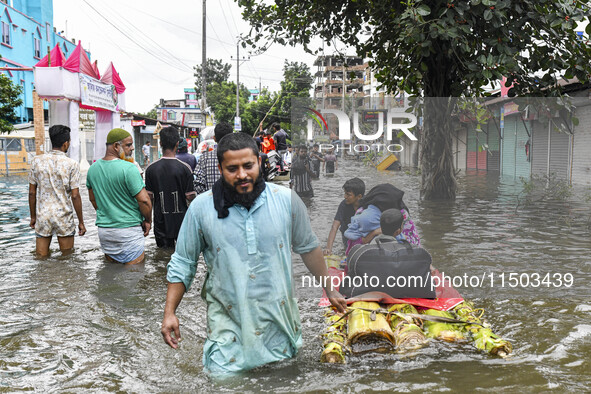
(123, 207)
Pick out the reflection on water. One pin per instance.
(80, 323)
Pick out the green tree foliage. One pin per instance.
(9, 101)
(152, 114)
(221, 97)
(296, 84)
(440, 49)
(216, 72)
(262, 107)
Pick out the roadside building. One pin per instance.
(580, 170)
(254, 95)
(27, 32)
(185, 114)
(338, 78)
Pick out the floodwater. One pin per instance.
(79, 323)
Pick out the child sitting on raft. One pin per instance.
(365, 225)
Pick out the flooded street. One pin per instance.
(78, 323)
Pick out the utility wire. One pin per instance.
(126, 53)
(128, 22)
(177, 25)
(131, 39)
(216, 34)
(232, 15)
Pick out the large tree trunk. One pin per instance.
(437, 168)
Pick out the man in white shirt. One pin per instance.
(146, 151)
(287, 156)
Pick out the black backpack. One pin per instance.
(400, 270)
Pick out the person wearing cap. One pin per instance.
(53, 190)
(184, 155)
(123, 207)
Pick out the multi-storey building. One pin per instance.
(27, 35)
(338, 78)
(182, 112)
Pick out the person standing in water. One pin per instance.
(330, 163)
(169, 182)
(316, 157)
(53, 190)
(301, 174)
(252, 314)
(123, 207)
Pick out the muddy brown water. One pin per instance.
(81, 324)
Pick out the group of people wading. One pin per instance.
(245, 228)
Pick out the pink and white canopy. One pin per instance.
(111, 76)
(78, 62)
(57, 58)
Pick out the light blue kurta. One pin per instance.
(252, 314)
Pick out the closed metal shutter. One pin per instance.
(460, 148)
(522, 163)
(509, 138)
(559, 154)
(581, 163)
(493, 156)
(472, 150)
(540, 148)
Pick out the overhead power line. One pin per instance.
(132, 58)
(127, 22)
(131, 39)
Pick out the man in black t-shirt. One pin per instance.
(169, 183)
(280, 138)
(354, 190)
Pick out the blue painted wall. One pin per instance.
(28, 20)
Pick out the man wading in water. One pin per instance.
(246, 229)
(123, 207)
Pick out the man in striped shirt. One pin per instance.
(207, 171)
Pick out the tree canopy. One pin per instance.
(152, 114)
(9, 101)
(221, 97)
(440, 49)
(216, 71)
(434, 48)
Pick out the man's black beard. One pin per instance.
(232, 196)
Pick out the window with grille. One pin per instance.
(30, 145)
(37, 47)
(13, 145)
(5, 33)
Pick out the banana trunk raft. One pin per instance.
(371, 327)
(401, 327)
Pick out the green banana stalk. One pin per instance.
(445, 331)
(483, 336)
(334, 338)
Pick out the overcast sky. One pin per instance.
(154, 44)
